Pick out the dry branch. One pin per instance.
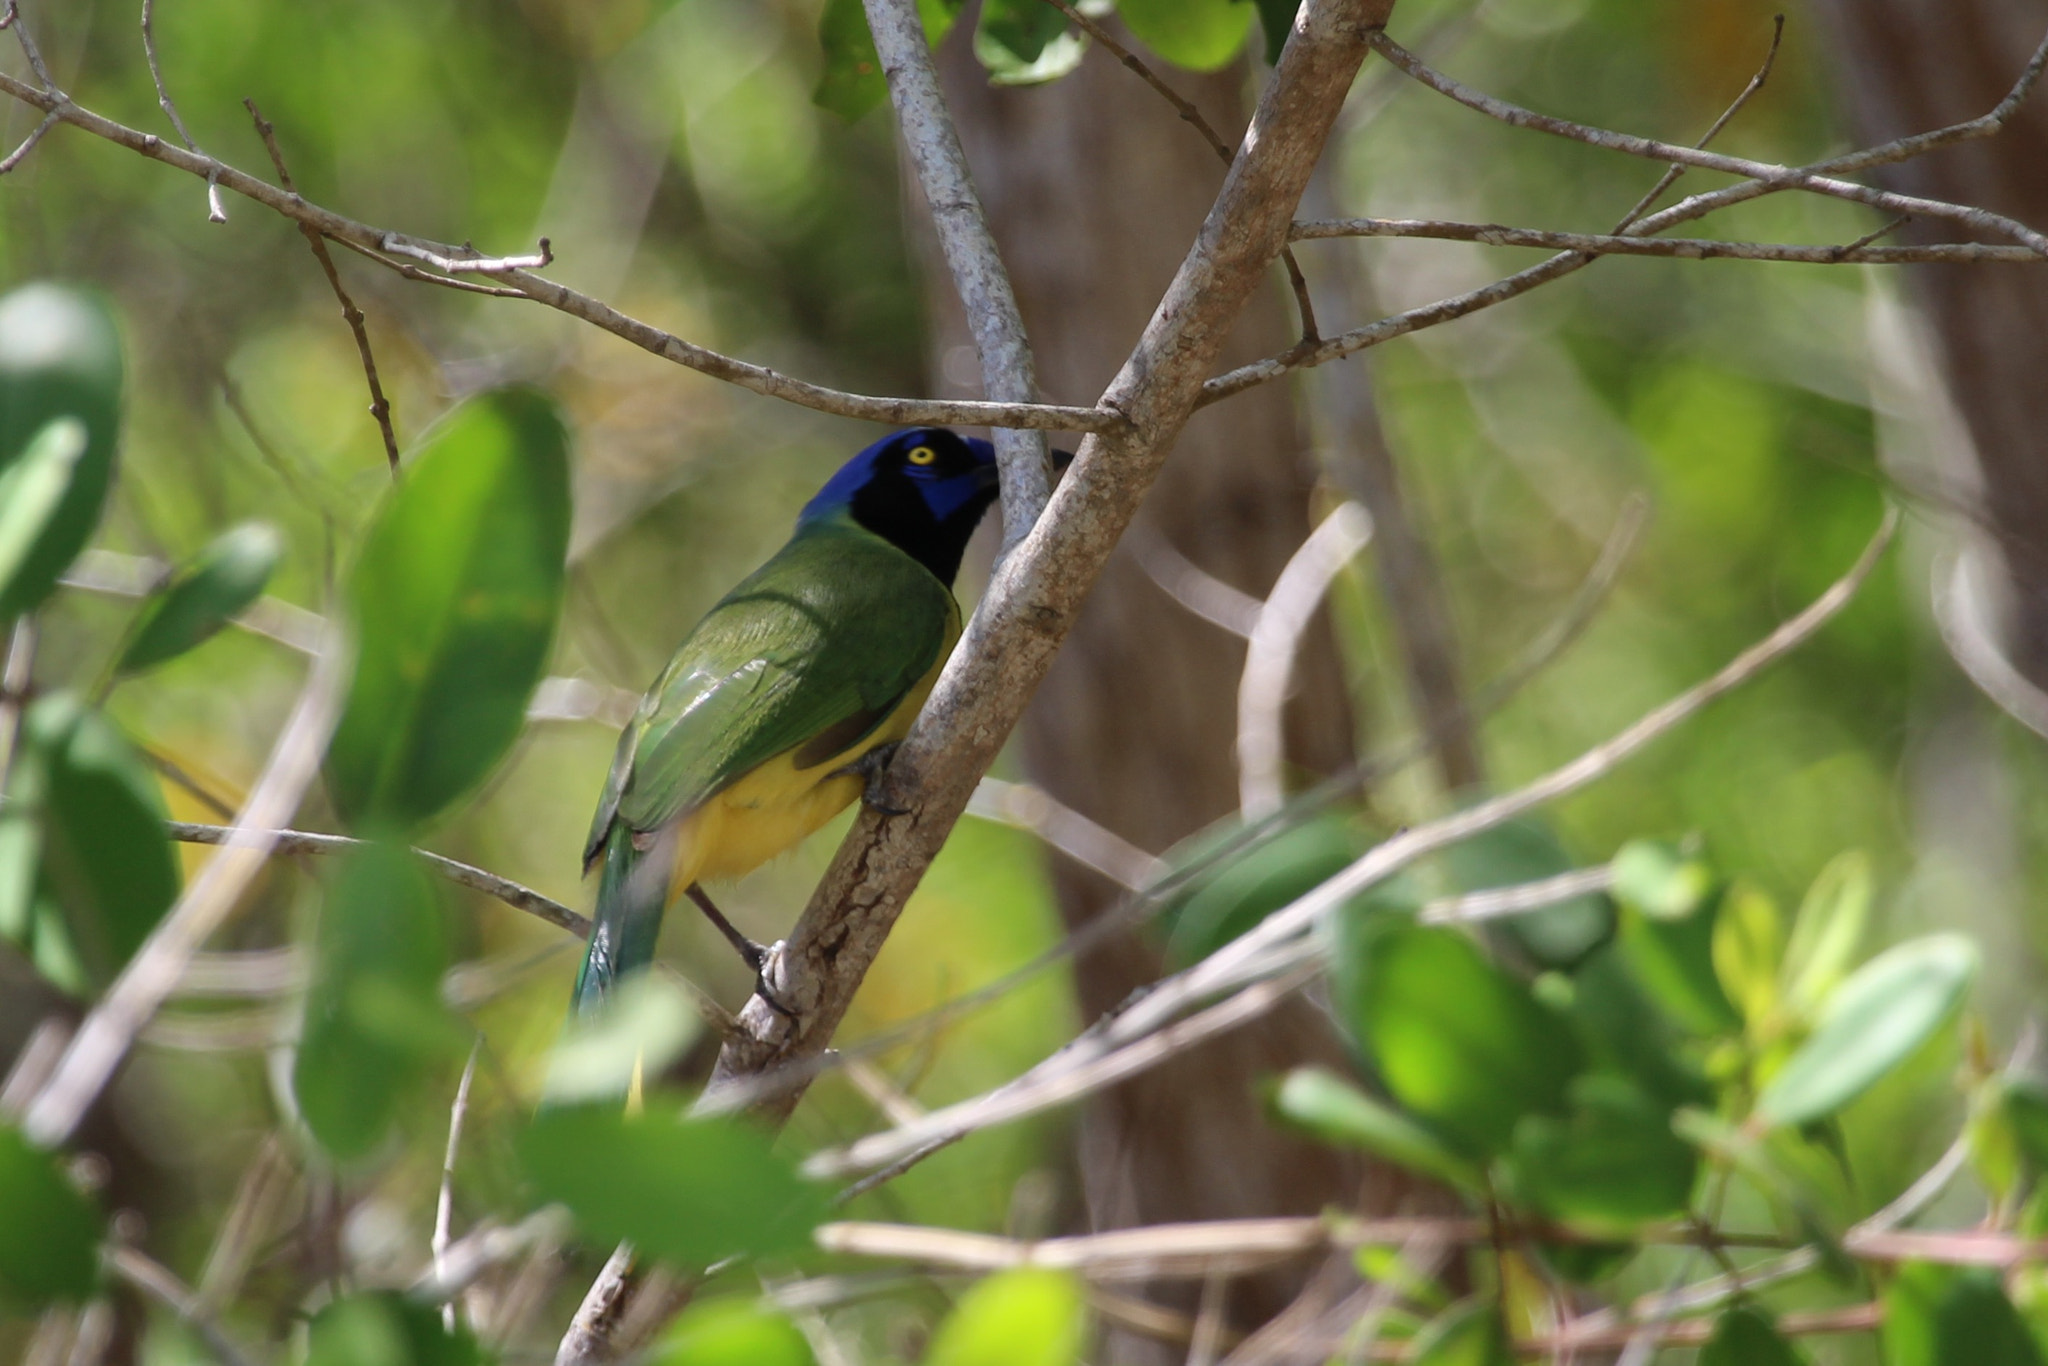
(1687, 248)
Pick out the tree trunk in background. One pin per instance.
(1095, 189)
(1909, 65)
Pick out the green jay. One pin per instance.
(783, 704)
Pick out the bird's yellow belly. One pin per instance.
(772, 808)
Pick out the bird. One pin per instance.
(785, 702)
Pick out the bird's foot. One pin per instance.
(759, 957)
(873, 769)
(765, 959)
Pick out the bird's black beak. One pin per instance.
(1060, 461)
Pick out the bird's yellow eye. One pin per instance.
(922, 455)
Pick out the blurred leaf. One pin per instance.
(1828, 931)
(1660, 879)
(1625, 1033)
(49, 1233)
(203, 596)
(851, 82)
(1674, 962)
(384, 1328)
(1526, 850)
(454, 599)
(86, 870)
(1748, 944)
(2026, 1110)
(1869, 1025)
(1613, 1163)
(1466, 1334)
(1322, 1103)
(32, 489)
(1946, 1316)
(60, 356)
(688, 1191)
(1745, 1336)
(1241, 889)
(1026, 1317)
(1584, 1263)
(1993, 1145)
(646, 1024)
(1025, 42)
(1458, 1041)
(374, 1018)
(1201, 35)
(732, 1332)
(1276, 18)
(1779, 1166)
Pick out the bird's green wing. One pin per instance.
(812, 650)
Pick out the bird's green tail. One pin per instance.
(631, 895)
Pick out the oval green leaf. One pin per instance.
(374, 1019)
(688, 1191)
(1611, 1165)
(1235, 894)
(1946, 1316)
(1673, 961)
(383, 1328)
(453, 599)
(1457, 1040)
(1025, 42)
(1323, 1104)
(49, 1233)
(851, 81)
(1028, 1317)
(1526, 850)
(732, 1333)
(202, 596)
(1469, 1333)
(1828, 931)
(1201, 35)
(32, 489)
(1660, 879)
(1744, 1336)
(1869, 1025)
(60, 356)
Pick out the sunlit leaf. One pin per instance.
(1027, 1317)
(1870, 1024)
(60, 356)
(1526, 850)
(374, 1018)
(1322, 1103)
(1748, 944)
(1828, 931)
(1611, 1164)
(1276, 18)
(688, 1191)
(1745, 1336)
(382, 1328)
(1200, 35)
(49, 1233)
(454, 599)
(203, 596)
(1457, 1040)
(1024, 42)
(1660, 879)
(732, 1332)
(1467, 1334)
(32, 489)
(851, 81)
(1946, 1316)
(642, 1026)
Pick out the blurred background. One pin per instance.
(673, 156)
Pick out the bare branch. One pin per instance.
(152, 1278)
(215, 212)
(1190, 585)
(1007, 369)
(1519, 899)
(380, 406)
(15, 157)
(1689, 248)
(379, 243)
(1087, 842)
(444, 1203)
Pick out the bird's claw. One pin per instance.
(873, 768)
(765, 958)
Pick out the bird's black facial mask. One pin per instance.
(923, 490)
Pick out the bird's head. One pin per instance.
(923, 490)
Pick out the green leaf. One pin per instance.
(374, 1018)
(1827, 932)
(1745, 1336)
(1748, 944)
(1458, 1041)
(1673, 960)
(1467, 1334)
(86, 869)
(1201, 35)
(1276, 17)
(2026, 1110)
(454, 600)
(1869, 1025)
(643, 1026)
(1234, 895)
(852, 82)
(732, 1332)
(1323, 1104)
(688, 1191)
(49, 1233)
(1526, 850)
(1947, 1316)
(383, 1328)
(1625, 1033)
(1025, 42)
(1660, 879)
(1027, 1317)
(202, 596)
(32, 489)
(60, 356)
(1611, 1165)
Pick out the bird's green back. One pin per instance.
(813, 649)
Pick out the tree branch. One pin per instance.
(1689, 248)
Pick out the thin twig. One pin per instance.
(14, 158)
(153, 1279)
(379, 242)
(444, 1205)
(15, 677)
(1087, 842)
(1858, 252)
(380, 406)
(215, 211)
(1269, 655)
(1498, 902)
(12, 19)
(1190, 585)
